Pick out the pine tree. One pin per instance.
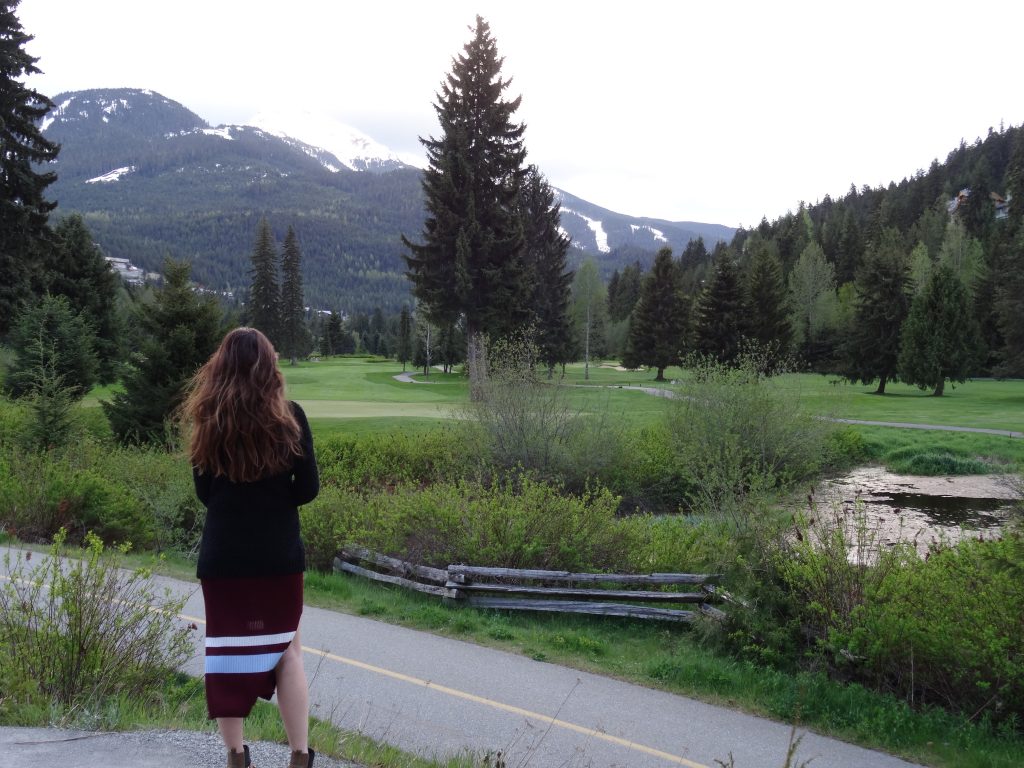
(54, 337)
(263, 310)
(75, 268)
(940, 337)
(658, 329)
(1010, 307)
(883, 300)
(545, 251)
(24, 234)
(470, 263)
(332, 341)
(718, 317)
(627, 292)
(404, 351)
(294, 335)
(766, 304)
(181, 330)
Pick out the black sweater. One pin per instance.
(252, 529)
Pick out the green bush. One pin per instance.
(77, 629)
(526, 524)
(386, 460)
(648, 473)
(738, 434)
(947, 629)
(915, 461)
(42, 493)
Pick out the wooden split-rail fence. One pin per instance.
(606, 594)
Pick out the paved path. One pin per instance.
(437, 697)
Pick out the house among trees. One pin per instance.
(999, 203)
(126, 270)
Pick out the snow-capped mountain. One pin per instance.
(153, 179)
(353, 148)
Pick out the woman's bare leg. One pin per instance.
(231, 732)
(293, 696)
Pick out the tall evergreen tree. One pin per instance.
(883, 300)
(52, 334)
(332, 342)
(767, 312)
(657, 333)
(549, 277)
(623, 299)
(470, 262)
(718, 317)
(1010, 308)
(404, 349)
(294, 335)
(24, 234)
(75, 268)
(940, 337)
(263, 310)
(181, 330)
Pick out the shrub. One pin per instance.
(42, 493)
(912, 460)
(386, 460)
(74, 632)
(524, 524)
(947, 629)
(736, 433)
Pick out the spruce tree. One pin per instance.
(626, 294)
(52, 338)
(549, 277)
(658, 328)
(180, 331)
(24, 234)
(75, 268)
(940, 337)
(294, 335)
(263, 310)
(404, 347)
(883, 291)
(470, 261)
(718, 317)
(332, 341)
(766, 304)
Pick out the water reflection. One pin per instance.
(921, 510)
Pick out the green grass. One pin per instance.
(984, 403)
(906, 451)
(672, 658)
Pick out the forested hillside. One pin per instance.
(964, 213)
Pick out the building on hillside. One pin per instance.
(1000, 204)
(126, 270)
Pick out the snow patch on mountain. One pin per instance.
(351, 147)
(113, 175)
(600, 236)
(223, 131)
(659, 236)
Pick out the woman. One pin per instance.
(253, 465)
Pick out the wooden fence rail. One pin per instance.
(606, 594)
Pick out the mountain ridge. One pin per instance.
(151, 178)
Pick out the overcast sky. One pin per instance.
(688, 111)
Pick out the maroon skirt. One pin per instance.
(249, 624)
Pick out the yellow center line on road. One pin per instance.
(456, 693)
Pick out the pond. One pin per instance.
(921, 510)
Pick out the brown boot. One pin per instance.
(239, 759)
(302, 759)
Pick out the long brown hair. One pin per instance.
(242, 427)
